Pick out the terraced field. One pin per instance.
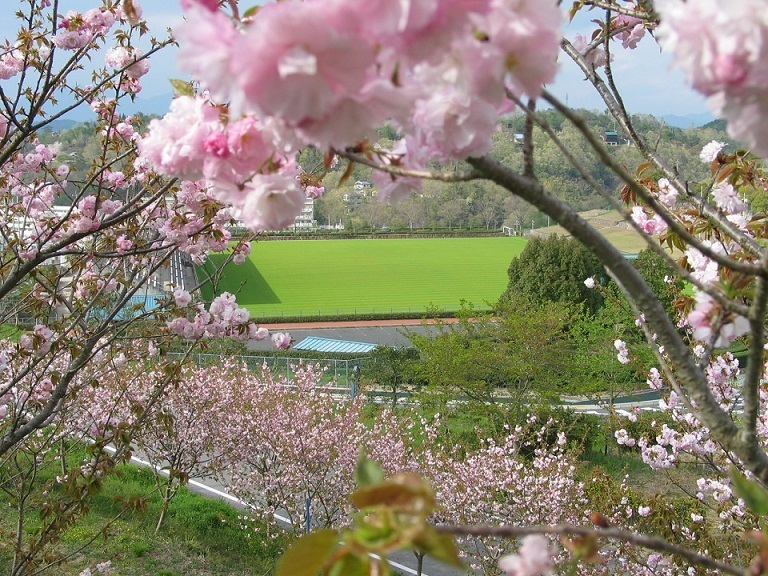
(327, 277)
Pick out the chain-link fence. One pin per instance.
(341, 376)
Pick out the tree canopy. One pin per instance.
(554, 269)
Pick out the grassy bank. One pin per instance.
(201, 537)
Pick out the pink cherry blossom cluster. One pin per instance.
(710, 323)
(624, 27)
(623, 351)
(655, 225)
(128, 58)
(238, 159)
(222, 319)
(11, 63)
(708, 320)
(39, 341)
(294, 443)
(193, 221)
(535, 556)
(667, 193)
(710, 151)
(724, 54)
(282, 441)
(630, 30)
(373, 63)
(76, 31)
(593, 54)
(686, 440)
(438, 71)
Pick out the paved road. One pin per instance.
(385, 333)
(403, 562)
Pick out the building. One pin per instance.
(611, 138)
(306, 219)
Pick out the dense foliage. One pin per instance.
(554, 270)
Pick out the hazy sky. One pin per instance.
(643, 75)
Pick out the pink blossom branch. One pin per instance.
(708, 211)
(618, 112)
(620, 208)
(648, 542)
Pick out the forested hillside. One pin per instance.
(476, 205)
(480, 205)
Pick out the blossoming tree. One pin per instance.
(84, 257)
(442, 73)
(78, 247)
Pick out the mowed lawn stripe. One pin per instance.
(329, 276)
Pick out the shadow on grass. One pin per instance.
(244, 279)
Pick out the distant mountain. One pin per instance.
(60, 124)
(688, 120)
(156, 105)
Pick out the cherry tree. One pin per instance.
(442, 73)
(84, 259)
(286, 447)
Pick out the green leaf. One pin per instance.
(251, 12)
(368, 472)
(754, 495)
(308, 555)
(402, 492)
(351, 565)
(440, 546)
(181, 87)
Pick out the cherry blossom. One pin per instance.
(281, 340)
(727, 199)
(623, 351)
(709, 153)
(711, 324)
(667, 193)
(593, 54)
(631, 30)
(535, 557)
(723, 53)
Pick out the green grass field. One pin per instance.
(327, 277)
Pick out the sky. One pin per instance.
(643, 75)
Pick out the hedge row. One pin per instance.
(355, 317)
(238, 233)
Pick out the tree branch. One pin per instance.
(648, 542)
(691, 376)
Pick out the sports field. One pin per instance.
(327, 277)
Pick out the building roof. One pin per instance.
(331, 345)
